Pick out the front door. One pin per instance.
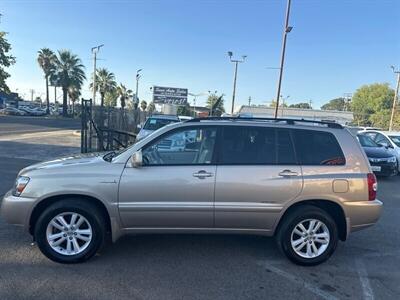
(257, 174)
(175, 186)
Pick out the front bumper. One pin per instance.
(387, 169)
(362, 214)
(16, 210)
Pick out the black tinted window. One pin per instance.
(256, 145)
(318, 148)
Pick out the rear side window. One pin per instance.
(318, 148)
(256, 146)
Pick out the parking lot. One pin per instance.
(186, 266)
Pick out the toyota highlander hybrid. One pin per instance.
(307, 183)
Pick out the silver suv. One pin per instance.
(309, 184)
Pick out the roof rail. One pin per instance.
(288, 121)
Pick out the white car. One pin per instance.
(388, 139)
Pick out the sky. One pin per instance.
(335, 45)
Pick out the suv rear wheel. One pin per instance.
(308, 235)
(70, 231)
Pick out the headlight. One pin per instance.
(392, 159)
(20, 183)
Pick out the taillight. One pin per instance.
(372, 186)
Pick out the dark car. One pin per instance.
(383, 162)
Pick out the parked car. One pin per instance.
(13, 111)
(382, 160)
(155, 122)
(309, 186)
(33, 111)
(387, 139)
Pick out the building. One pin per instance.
(341, 117)
(8, 99)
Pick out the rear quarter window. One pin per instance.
(318, 148)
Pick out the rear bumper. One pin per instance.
(16, 210)
(361, 214)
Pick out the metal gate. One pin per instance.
(104, 129)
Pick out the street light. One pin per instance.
(236, 61)
(137, 84)
(94, 52)
(396, 92)
(286, 30)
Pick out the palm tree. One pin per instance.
(216, 104)
(46, 59)
(70, 72)
(105, 82)
(74, 91)
(124, 94)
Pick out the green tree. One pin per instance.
(110, 98)
(216, 104)
(70, 73)
(273, 104)
(151, 108)
(184, 110)
(124, 94)
(46, 60)
(303, 105)
(335, 104)
(143, 105)
(74, 92)
(6, 60)
(105, 82)
(369, 103)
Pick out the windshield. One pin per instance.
(155, 123)
(366, 141)
(395, 139)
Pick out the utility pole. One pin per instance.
(94, 52)
(236, 61)
(249, 100)
(137, 85)
(32, 93)
(286, 30)
(396, 92)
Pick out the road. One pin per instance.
(205, 266)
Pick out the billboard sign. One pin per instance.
(169, 95)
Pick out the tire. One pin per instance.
(287, 234)
(89, 235)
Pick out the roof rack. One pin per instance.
(288, 121)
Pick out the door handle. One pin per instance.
(202, 174)
(288, 173)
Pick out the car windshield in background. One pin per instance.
(154, 124)
(366, 141)
(395, 139)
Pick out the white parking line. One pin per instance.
(365, 284)
(311, 287)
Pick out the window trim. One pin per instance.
(173, 131)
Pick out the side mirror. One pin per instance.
(137, 159)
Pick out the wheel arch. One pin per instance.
(330, 207)
(44, 203)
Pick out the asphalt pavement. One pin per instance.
(204, 266)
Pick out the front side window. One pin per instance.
(256, 146)
(318, 148)
(366, 141)
(194, 146)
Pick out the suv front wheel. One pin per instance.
(70, 231)
(308, 235)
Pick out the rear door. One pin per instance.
(257, 174)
